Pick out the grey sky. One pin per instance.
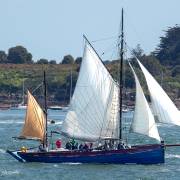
(54, 28)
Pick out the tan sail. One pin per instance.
(34, 127)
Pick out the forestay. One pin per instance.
(143, 120)
(93, 113)
(34, 127)
(163, 108)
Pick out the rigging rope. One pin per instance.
(104, 39)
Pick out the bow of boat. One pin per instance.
(15, 155)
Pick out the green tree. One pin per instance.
(152, 64)
(137, 52)
(68, 59)
(176, 71)
(42, 61)
(168, 51)
(3, 57)
(19, 55)
(78, 60)
(52, 62)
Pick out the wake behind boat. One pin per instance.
(94, 119)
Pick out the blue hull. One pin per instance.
(142, 154)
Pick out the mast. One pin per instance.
(23, 101)
(45, 143)
(70, 87)
(121, 75)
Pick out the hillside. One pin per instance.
(58, 80)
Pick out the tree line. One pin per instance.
(167, 52)
(20, 55)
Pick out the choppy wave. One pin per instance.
(165, 125)
(67, 163)
(11, 122)
(21, 122)
(8, 172)
(72, 163)
(2, 151)
(58, 115)
(173, 156)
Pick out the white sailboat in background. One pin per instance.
(64, 108)
(55, 107)
(22, 105)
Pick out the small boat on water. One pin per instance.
(55, 107)
(61, 108)
(126, 109)
(95, 116)
(19, 107)
(22, 105)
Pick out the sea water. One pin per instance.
(11, 122)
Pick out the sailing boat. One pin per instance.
(95, 116)
(22, 105)
(64, 108)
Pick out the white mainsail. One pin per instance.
(163, 108)
(34, 127)
(93, 112)
(143, 120)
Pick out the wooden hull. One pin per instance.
(142, 154)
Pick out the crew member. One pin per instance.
(58, 143)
